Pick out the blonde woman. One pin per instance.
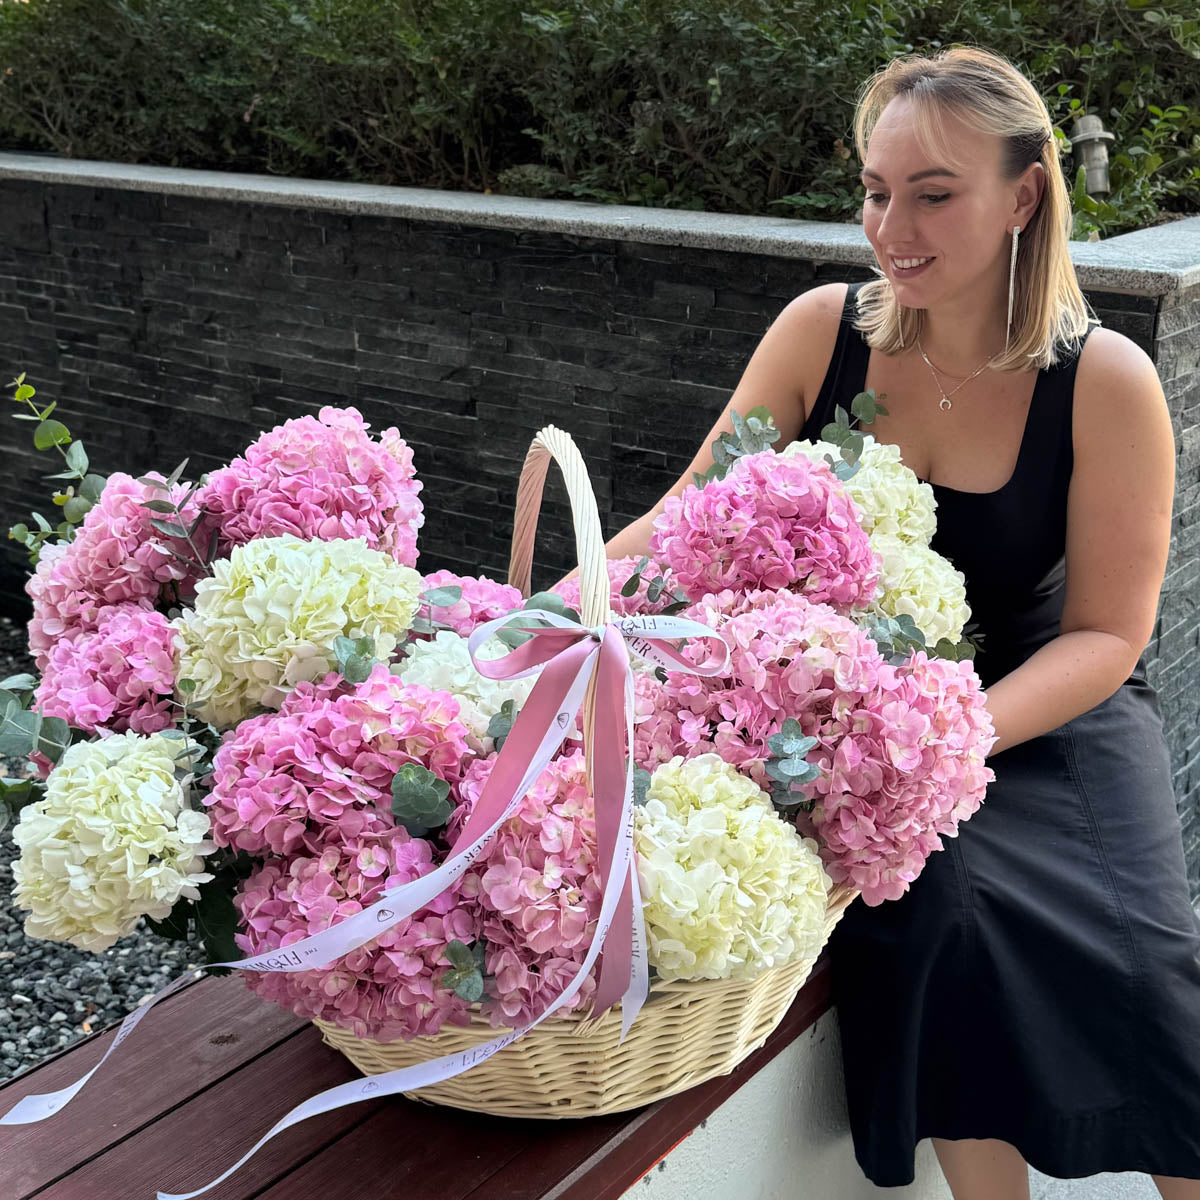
(1035, 997)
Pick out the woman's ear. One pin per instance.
(1028, 194)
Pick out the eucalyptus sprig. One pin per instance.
(842, 433)
(22, 731)
(466, 975)
(654, 589)
(440, 597)
(551, 602)
(752, 434)
(77, 497)
(787, 766)
(175, 528)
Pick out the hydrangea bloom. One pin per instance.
(482, 600)
(444, 664)
(918, 581)
(320, 770)
(730, 889)
(772, 522)
(118, 676)
(390, 987)
(112, 840)
(116, 557)
(538, 887)
(324, 478)
(268, 616)
(620, 570)
(889, 496)
(897, 773)
(897, 747)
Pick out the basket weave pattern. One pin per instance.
(573, 1066)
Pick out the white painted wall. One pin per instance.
(783, 1136)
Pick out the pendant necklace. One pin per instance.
(944, 402)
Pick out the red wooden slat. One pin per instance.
(192, 1038)
(410, 1150)
(192, 1144)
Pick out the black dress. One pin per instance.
(1040, 980)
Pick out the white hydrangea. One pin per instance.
(890, 498)
(730, 888)
(445, 664)
(112, 840)
(916, 580)
(268, 615)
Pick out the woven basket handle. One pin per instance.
(589, 541)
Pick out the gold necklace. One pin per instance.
(944, 402)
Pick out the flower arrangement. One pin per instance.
(253, 708)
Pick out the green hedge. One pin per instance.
(722, 105)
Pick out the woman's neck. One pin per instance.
(961, 331)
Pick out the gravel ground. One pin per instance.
(52, 994)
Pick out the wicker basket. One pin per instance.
(573, 1066)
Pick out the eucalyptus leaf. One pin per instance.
(501, 723)
(18, 683)
(173, 478)
(631, 585)
(19, 731)
(151, 482)
(170, 528)
(76, 508)
(459, 955)
(641, 785)
(92, 487)
(54, 736)
(50, 433)
(160, 506)
(419, 799)
(442, 597)
(175, 924)
(77, 458)
(655, 589)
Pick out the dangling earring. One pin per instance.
(1012, 276)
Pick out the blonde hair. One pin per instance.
(987, 93)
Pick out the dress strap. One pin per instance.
(847, 371)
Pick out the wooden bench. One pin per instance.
(212, 1067)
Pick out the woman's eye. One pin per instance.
(881, 197)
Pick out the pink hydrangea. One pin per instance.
(320, 769)
(321, 477)
(771, 523)
(900, 771)
(538, 888)
(482, 600)
(899, 749)
(620, 570)
(116, 557)
(390, 987)
(118, 675)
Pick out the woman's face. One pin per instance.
(939, 232)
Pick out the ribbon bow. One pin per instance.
(565, 655)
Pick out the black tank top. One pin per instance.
(1010, 543)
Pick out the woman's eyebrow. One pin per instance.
(869, 174)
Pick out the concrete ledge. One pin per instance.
(1151, 262)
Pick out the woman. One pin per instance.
(1035, 996)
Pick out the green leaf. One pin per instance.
(655, 588)
(419, 799)
(217, 919)
(160, 506)
(173, 478)
(641, 785)
(175, 924)
(76, 508)
(92, 486)
(43, 524)
(187, 686)
(18, 532)
(790, 739)
(18, 683)
(24, 392)
(54, 737)
(501, 723)
(50, 433)
(150, 481)
(77, 458)
(169, 528)
(15, 794)
(631, 585)
(19, 731)
(357, 668)
(552, 602)
(458, 955)
(442, 597)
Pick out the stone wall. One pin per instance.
(169, 324)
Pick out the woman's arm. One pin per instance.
(1118, 538)
(783, 362)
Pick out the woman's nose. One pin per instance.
(896, 225)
